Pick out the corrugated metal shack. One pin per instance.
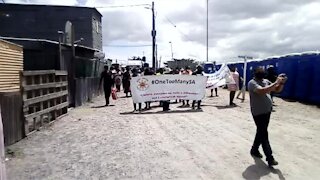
(83, 69)
(11, 64)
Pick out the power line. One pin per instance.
(128, 46)
(121, 6)
(174, 25)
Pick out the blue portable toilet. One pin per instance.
(314, 96)
(289, 65)
(250, 69)
(269, 62)
(265, 63)
(304, 75)
(218, 66)
(208, 68)
(274, 62)
(239, 67)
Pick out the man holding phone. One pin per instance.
(261, 108)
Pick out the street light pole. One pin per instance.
(243, 91)
(171, 51)
(153, 33)
(207, 30)
(156, 62)
(172, 59)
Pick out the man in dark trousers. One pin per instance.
(108, 83)
(198, 72)
(213, 71)
(261, 108)
(165, 104)
(148, 72)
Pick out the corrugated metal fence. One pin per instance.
(11, 63)
(11, 104)
(86, 89)
(2, 157)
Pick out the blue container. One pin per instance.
(304, 75)
(314, 96)
(218, 67)
(250, 70)
(289, 65)
(265, 63)
(274, 62)
(208, 68)
(240, 67)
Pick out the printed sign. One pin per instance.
(219, 78)
(167, 87)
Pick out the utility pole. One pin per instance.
(172, 59)
(153, 33)
(243, 90)
(171, 51)
(207, 30)
(160, 61)
(156, 62)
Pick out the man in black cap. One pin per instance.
(261, 108)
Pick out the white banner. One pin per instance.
(219, 78)
(167, 87)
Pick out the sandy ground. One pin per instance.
(112, 143)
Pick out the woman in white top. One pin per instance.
(233, 87)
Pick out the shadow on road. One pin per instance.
(125, 97)
(260, 169)
(97, 107)
(210, 105)
(226, 107)
(162, 112)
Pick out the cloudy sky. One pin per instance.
(259, 28)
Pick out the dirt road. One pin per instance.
(112, 143)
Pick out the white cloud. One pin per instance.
(259, 28)
(49, 2)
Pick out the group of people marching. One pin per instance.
(261, 89)
(114, 77)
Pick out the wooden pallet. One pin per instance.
(45, 97)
